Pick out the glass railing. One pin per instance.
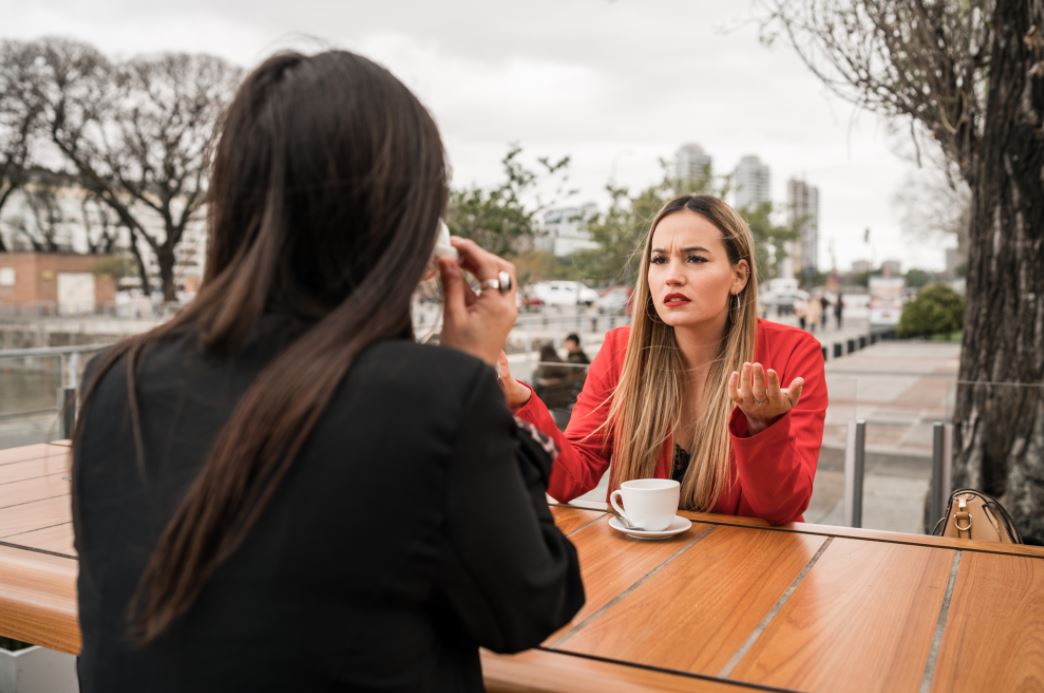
(35, 384)
(898, 391)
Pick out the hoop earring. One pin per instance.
(650, 312)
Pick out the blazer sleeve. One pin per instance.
(511, 577)
(776, 466)
(585, 447)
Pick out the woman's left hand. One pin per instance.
(760, 397)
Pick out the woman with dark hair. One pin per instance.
(278, 490)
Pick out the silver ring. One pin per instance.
(502, 283)
(761, 402)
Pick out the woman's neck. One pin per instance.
(700, 344)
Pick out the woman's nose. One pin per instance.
(675, 275)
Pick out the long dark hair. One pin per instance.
(327, 184)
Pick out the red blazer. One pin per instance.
(772, 471)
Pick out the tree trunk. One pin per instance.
(1000, 399)
(8, 190)
(143, 270)
(165, 258)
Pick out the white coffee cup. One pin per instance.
(650, 503)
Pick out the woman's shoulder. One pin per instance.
(397, 358)
(424, 374)
(616, 338)
(776, 342)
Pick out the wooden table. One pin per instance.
(730, 604)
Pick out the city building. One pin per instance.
(563, 230)
(861, 266)
(60, 216)
(692, 167)
(891, 268)
(751, 183)
(803, 214)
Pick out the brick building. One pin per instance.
(53, 284)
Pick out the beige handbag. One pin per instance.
(975, 515)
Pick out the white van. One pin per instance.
(563, 293)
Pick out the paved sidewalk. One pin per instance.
(901, 388)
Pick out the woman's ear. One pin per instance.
(741, 270)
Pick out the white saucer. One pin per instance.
(678, 525)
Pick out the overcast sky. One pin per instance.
(615, 84)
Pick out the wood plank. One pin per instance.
(38, 599)
(31, 469)
(865, 613)
(35, 515)
(58, 538)
(540, 671)
(994, 633)
(850, 532)
(29, 490)
(688, 616)
(32, 452)
(610, 563)
(571, 519)
(880, 535)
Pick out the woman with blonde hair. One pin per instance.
(693, 388)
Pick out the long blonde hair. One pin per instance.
(647, 404)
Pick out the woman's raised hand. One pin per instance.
(477, 324)
(760, 397)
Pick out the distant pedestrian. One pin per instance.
(574, 352)
(551, 381)
(813, 313)
(824, 303)
(801, 312)
(839, 309)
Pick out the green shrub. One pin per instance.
(938, 309)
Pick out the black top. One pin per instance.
(412, 529)
(681, 463)
(578, 356)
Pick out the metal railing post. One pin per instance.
(73, 379)
(942, 456)
(855, 469)
(66, 411)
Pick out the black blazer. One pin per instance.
(411, 530)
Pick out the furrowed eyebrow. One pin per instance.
(690, 249)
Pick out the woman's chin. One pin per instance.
(680, 319)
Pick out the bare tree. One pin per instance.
(101, 225)
(971, 73)
(44, 226)
(934, 200)
(20, 115)
(136, 135)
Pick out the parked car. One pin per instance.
(615, 300)
(782, 301)
(527, 301)
(563, 293)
